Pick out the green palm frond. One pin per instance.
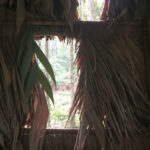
(40, 55)
(18, 77)
(45, 84)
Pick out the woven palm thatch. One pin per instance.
(112, 94)
(125, 10)
(43, 9)
(20, 92)
(21, 80)
(111, 90)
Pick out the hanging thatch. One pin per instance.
(112, 92)
(20, 91)
(21, 80)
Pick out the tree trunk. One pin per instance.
(47, 75)
(90, 10)
(71, 77)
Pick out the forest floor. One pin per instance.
(60, 110)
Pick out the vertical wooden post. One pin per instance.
(146, 46)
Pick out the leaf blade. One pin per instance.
(44, 62)
(30, 82)
(45, 83)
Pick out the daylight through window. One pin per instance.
(90, 10)
(61, 56)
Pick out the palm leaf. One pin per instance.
(27, 56)
(45, 84)
(30, 81)
(44, 61)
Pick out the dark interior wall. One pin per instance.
(54, 139)
(65, 139)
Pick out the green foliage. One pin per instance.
(18, 76)
(82, 9)
(30, 82)
(59, 111)
(30, 72)
(59, 59)
(44, 61)
(98, 9)
(45, 84)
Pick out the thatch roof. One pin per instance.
(18, 12)
(42, 9)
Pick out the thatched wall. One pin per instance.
(21, 95)
(111, 92)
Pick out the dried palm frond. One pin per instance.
(111, 91)
(38, 124)
(64, 10)
(12, 112)
(122, 9)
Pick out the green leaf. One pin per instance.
(44, 61)
(22, 94)
(45, 84)
(30, 82)
(27, 57)
(22, 41)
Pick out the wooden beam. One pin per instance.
(64, 139)
(51, 28)
(48, 28)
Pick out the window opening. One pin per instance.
(59, 54)
(90, 10)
